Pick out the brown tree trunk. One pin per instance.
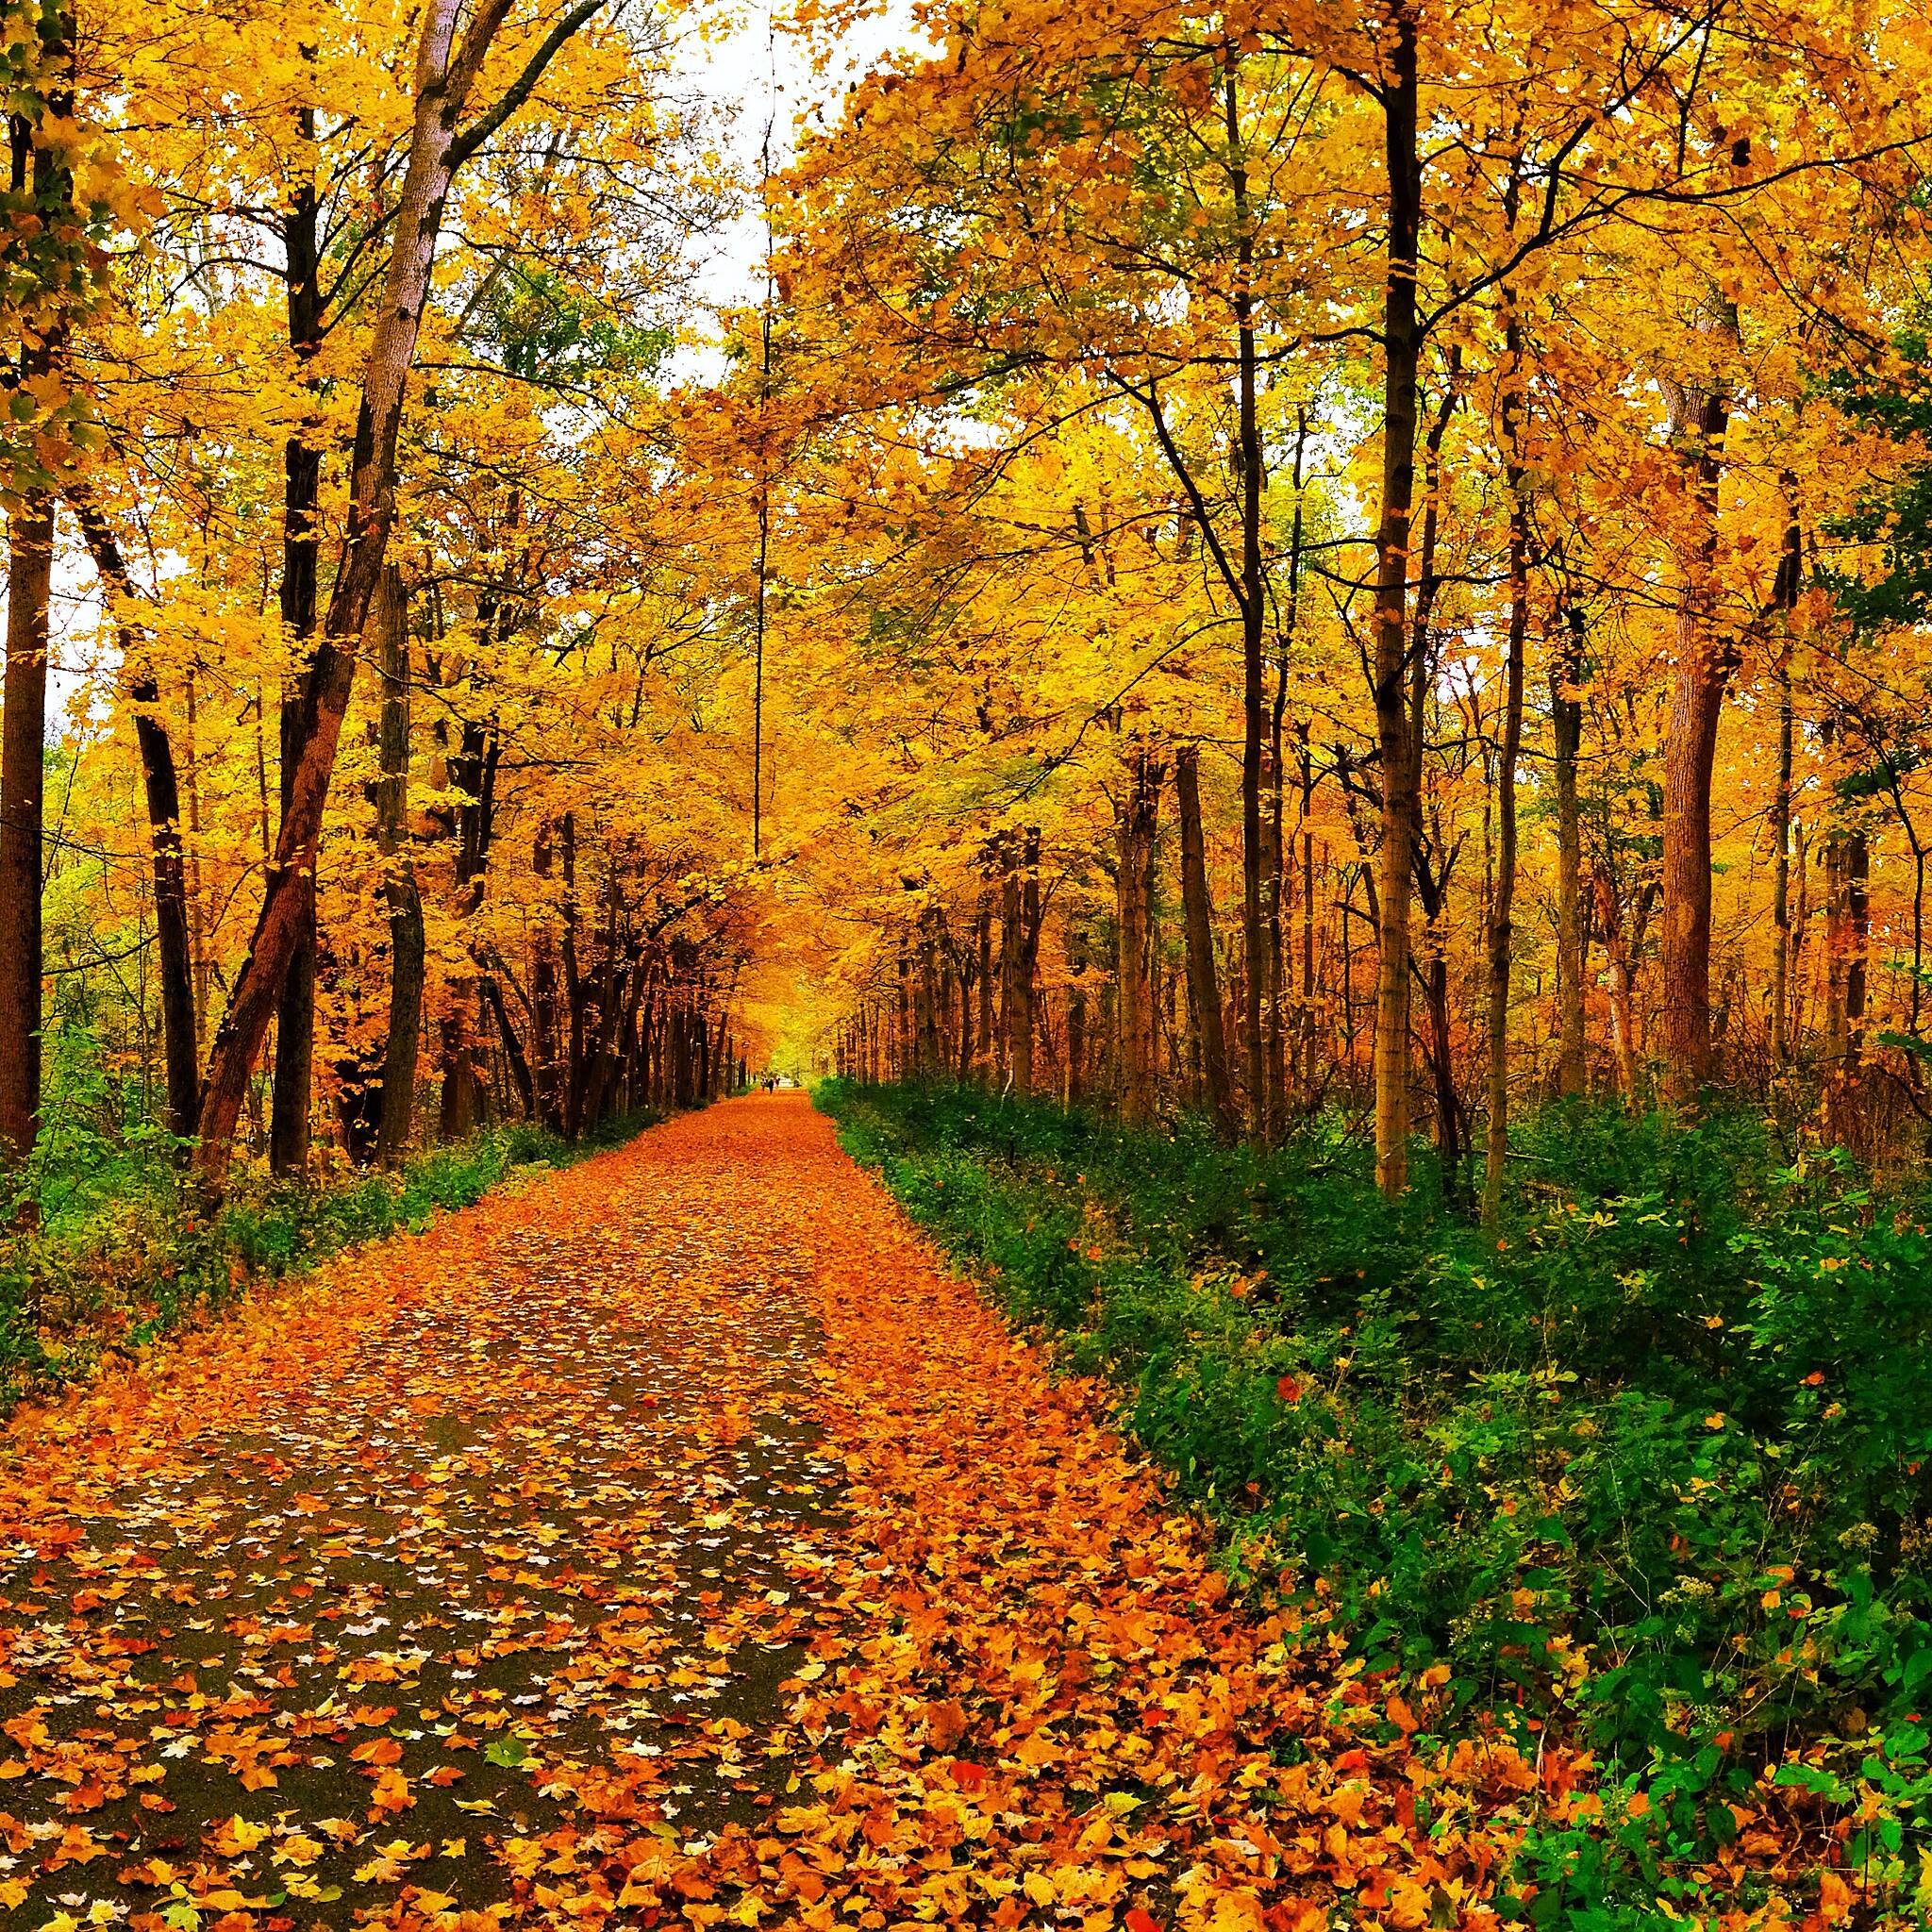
(546, 1026)
(1449, 1112)
(162, 790)
(1401, 767)
(1019, 952)
(1790, 571)
(967, 1045)
(574, 989)
(1848, 928)
(1623, 991)
(446, 70)
(513, 1055)
(1566, 733)
(39, 178)
(1700, 419)
(1198, 918)
(23, 792)
(1503, 899)
(1304, 1018)
(295, 1059)
(987, 1048)
(456, 1114)
(405, 935)
(1781, 881)
(1134, 849)
(926, 998)
(1252, 482)
(902, 1033)
(1076, 1018)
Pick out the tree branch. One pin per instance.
(521, 89)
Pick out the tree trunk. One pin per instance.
(1847, 926)
(406, 936)
(39, 176)
(445, 73)
(1503, 899)
(1566, 733)
(926, 998)
(1135, 840)
(1622, 989)
(1401, 767)
(1019, 949)
(288, 1121)
(1700, 419)
(1449, 1110)
(903, 1032)
(1252, 482)
(547, 1027)
(1304, 1019)
(456, 1114)
(514, 1056)
(963, 1066)
(1076, 1018)
(161, 786)
(1782, 879)
(1198, 918)
(1789, 574)
(574, 990)
(986, 1049)
(23, 791)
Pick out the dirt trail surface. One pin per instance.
(668, 1540)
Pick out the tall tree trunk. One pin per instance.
(42, 188)
(1254, 611)
(1781, 880)
(1789, 574)
(574, 989)
(1623, 992)
(446, 70)
(406, 936)
(1503, 899)
(926, 997)
(162, 790)
(964, 971)
(1566, 734)
(513, 1055)
(1847, 926)
(1278, 847)
(1019, 948)
(23, 792)
(1135, 836)
(1699, 420)
(545, 1023)
(1077, 1017)
(902, 1040)
(456, 1117)
(1305, 1021)
(294, 1061)
(1401, 767)
(1198, 918)
(1449, 1145)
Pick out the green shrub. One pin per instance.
(1645, 1467)
(123, 1251)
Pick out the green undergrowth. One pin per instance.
(125, 1252)
(1645, 1468)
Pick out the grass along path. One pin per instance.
(668, 1541)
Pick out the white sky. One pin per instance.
(757, 77)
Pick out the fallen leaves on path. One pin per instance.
(669, 1541)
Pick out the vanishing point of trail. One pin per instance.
(668, 1541)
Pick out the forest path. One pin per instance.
(666, 1540)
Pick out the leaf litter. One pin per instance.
(671, 1541)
